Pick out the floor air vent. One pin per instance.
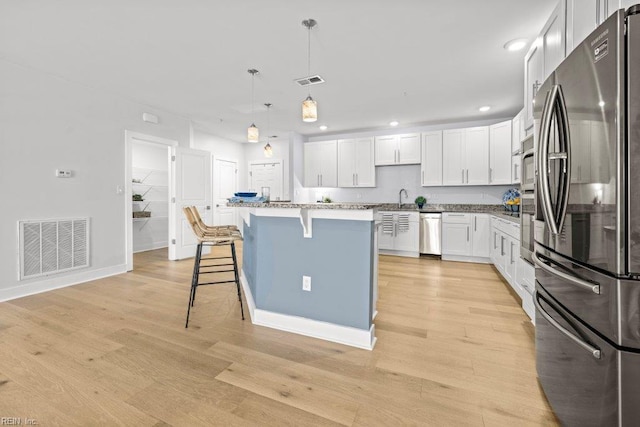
(311, 80)
(53, 246)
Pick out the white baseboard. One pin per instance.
(346, 335)
(52, 283)
(152, 247)
(399, 253)
(478, 260)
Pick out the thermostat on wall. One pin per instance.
(60, 173)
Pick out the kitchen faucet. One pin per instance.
(400, 197)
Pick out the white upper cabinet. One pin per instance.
(583, 16)
(533, 78)
(545, 54)
(453, 172)
(355, 163)
(465, 156)
(397, 149)
(553, 39)
(431, 165)
(517, 132)
(500, 153)
(321, 164)
(611, 6)
(477, 155)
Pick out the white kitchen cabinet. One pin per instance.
(465, 156)
(476, 155)
(465, 237)
(431, 165)
(355, 163)
(583, 16)
(452, 157)
(500, 146)
(399, 233)
(516, 172)
(526, 283)
(517, 132)
(611, 6)
(554, 39)
(397, 149)
(456, 239)
(321, 164)
(480, 236)
(533, 78)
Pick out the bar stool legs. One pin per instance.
(235, 272)
(195, 279)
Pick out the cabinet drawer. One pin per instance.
(456, 218)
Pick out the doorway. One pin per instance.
(225, 184)
(148, 191)
(267, 173)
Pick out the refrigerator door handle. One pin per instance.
(535, 257)
(595, 352)
(543, 160)
(565, 144)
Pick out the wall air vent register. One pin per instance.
(52, 246)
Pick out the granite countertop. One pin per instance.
(497, 210)
(289, 205)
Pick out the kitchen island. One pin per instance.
(312, 269)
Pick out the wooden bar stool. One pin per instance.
(212, 236)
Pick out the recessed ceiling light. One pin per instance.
(484, 108)
(515, 45)
(601, 103)
(324, 127)
(394, 123)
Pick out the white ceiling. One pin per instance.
(415, 61)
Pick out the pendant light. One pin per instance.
(309, 106)
(253, 135)
(268, 151)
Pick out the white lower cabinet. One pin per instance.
(399, 233)
(505, 255)
(465, 237)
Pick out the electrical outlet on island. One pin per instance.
(306, 283)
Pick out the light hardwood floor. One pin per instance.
(454, 348)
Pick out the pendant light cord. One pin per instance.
(253, 79)
(309, 56)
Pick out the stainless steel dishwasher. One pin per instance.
(430, 233)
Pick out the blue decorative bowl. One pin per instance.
(245, 194)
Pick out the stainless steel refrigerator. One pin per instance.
(587, 228)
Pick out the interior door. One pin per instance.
(193, 188)
(266, 175)
(225, 184)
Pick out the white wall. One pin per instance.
(222, 149)
(48, 123)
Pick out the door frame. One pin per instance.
(130, 137)
(214, 197)
(280, 164)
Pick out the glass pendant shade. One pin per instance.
(309, 110)
(268, 151)
(252, 133)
